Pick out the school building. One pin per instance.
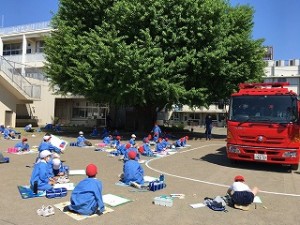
(25, 95)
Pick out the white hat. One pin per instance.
(80, 132)
(56, 163)
(44, 154)
(46, 137)
(133, 136)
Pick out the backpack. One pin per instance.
(216, 204)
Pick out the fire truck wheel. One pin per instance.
(295, 166)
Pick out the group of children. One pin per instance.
(9, 133)
(86, 198)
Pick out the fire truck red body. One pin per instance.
(263, 124)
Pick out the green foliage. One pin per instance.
(150, 53)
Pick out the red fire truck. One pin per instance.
(263, 124)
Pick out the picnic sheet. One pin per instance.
(61, 206)
(31, 151)
(114, 200)
(26, 192)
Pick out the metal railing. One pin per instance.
(26, 28)
(18, 81)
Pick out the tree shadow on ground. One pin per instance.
(220, 158)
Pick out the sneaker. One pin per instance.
(241, 207)
(62, 180)
(46, 211)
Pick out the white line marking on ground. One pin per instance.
(207, 182)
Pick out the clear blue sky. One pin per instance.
(277, 21)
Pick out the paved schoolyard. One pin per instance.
(199, 171)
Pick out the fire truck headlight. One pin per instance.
(289, 154)
(233, 149)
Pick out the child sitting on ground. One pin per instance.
(86, 198)
(82, 141)
(23, 145)
(132, 170)
(46, 145)
(241, 195)
(40, 173)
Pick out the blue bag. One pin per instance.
(56, 193)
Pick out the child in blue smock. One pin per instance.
(46, 145)
(86, 198)
(132, 170)
(41, 173)
(160, 146)
(82, 141)
(107, 140)
(132, 140)
(22, 146)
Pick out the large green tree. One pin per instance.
(148, 54)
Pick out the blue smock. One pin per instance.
(159, 147)
(22, 146)
(45, 145)
(106, 140)
(41, 174)
(132, 141)
(133, 172)
(80, 141)
(86, 197)
(147, 150)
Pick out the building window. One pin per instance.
(281, 79)
(88, 110)
(28, 50)
(12, 49)
(40, 45)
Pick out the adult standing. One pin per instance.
(208, 127)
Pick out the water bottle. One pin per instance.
(162, 178)
(67, 169)
(35, 187)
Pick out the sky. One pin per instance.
(276, 21)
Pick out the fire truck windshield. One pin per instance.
(267, 108)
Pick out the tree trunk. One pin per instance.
(145, 118)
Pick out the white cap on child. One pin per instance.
(45, 153)
(80, 132)
(56, 163)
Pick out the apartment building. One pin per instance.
(25, 95)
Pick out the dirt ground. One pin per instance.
(199, 171)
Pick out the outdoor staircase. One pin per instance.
(16, 83)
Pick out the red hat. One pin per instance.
(91, 170)
(24, 139)
(131, 154)
(239, 178)
(141, 149)
(187, 137)
(127, 146)
(118, 138)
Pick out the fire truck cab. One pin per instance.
(263, 124)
